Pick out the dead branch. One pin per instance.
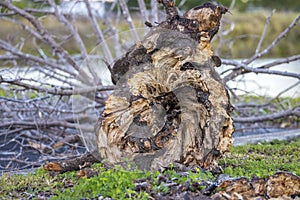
(154, 11)
(280, 61)
(269, 117)
(29, 57)
(263, 35)
(24, 27)
(99, 33)
(243, 69)
(237, 72)
(55, 90)
(76, 163)
(71, 28)
(239, 65)
(275, 41)
(57, 49)
(143, 10)
(129, 20)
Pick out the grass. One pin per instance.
(260, 160)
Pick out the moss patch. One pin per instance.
(259, 160)
(263, 159)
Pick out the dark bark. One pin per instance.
(72, 164)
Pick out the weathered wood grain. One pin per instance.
(170, 104)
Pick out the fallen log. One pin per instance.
(72, 164)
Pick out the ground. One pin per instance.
(116, 182)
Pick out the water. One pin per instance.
(265, 84)
(250, 83)
(78, 8)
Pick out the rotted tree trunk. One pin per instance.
(170, 104)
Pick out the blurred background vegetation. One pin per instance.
(246, 5)
(248, 16)
(241, 5)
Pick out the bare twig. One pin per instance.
(268, 117)
(241, 68)
(98, 33)
(262, 37)
(280, 61)
(273, 63)
(40, 124)
(77, 38)
(57, 49)
(242, 104)
(238, 71)
(154, 11)
(54, 89)
(129, 20)
(71, 27)
(7, 47)
(143, 10)
(24, 27)
(273, 44)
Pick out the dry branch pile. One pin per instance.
(169, 105)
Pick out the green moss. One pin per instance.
(21, 187)
(263, 159)
(260, 160)
(115, 183)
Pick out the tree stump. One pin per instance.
(170, 104)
